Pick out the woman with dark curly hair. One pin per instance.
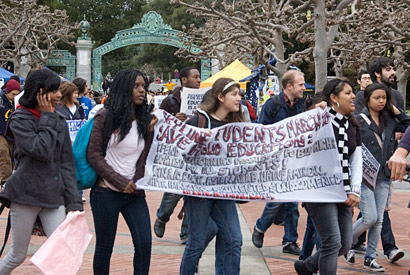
(119, 160)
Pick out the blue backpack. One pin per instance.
(86, 175)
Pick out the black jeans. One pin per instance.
(106, 206)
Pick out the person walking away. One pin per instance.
(69, 105)
(378, 121)
(7, 96)
(333, 221)
(221, 106)
(119, 160)
(44, 182)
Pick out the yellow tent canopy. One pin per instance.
(236, 70)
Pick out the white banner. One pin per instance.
(73, 127)
(190, 99)
(370, 168)
(293, 160)
(158, 100)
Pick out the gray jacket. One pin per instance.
(45, 173)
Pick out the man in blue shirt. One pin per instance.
(84, 101)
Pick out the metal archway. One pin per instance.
(151, 30)
(63, 58)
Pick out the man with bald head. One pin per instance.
(288, 103)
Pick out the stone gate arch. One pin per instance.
(151, 30)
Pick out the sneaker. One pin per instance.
(395, 255)
(301, 268)
(257, 238)
(159, 228)
(372, 265)
(360, 249)
(291, 248)
(349, 257)
(84, 200)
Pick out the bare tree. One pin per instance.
(28, 32)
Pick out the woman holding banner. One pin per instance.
(119, 161)
(378, 121)
(333, 221)
(44, 183)
(221, 105)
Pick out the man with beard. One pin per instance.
(382, 71)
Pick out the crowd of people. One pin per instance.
(39, 178)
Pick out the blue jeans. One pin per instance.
(372, 205)
(291, 219)
(224, 214)
(310, 239)
(106, 206)
(333, 223)
(168, 203)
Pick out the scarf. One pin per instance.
(342, 124)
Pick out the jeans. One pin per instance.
(106, 205)
(310, 239)
(372, 205)
(388, 241)
(333, 223)
(22, 218)
(224, 214)
(168, 203)
(291, 219)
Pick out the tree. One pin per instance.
(267, 28)
(29, 32)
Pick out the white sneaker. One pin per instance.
(395, 255)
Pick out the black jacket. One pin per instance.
(388, 137)
(45, 173)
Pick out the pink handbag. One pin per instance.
(63, 251)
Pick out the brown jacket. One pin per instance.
(97, 161)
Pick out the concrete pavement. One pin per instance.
(167, 251)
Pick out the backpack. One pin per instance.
(86, 175)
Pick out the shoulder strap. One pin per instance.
(171, 102)
(276, 105)
(7, 233)
(202, 121)
(379, 140)
(108, 124)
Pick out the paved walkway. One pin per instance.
(167, 252)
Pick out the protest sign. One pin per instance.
(370, 168)
(73, 127)
(158, 100)
(295, 159)
(190, 99)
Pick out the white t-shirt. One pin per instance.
(123, 156)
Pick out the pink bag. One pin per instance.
(63, 251)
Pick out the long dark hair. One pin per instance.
(211, 103)
(120, 100)
(40, 79)
(335, 86)
(387, 110)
